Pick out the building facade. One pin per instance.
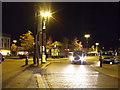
(5, 44)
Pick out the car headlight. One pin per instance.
(71, 58)
(82, 58)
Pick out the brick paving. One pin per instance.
(82, 77)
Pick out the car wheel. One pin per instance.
(113, 62)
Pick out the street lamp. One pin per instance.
(87, 36)
(45, 15)
(96, 46)
(14, 41)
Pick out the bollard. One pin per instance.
(100, 61)
(43, 58)
(26, 61)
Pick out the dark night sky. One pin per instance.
(72, 20)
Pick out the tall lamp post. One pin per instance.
(45, 15)
(87, 36)
(14, 51)
(97, 47)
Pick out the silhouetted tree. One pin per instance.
(14, 49)
(76, 44)
(27, 41)
(49, 43)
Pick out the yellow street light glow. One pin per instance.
(96, 43)
(87, 35)
(46, 14)
(14, 41)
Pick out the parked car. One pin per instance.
(108, 57)
(1, 58)
(22, 54)
(78, 57)
(117, 58)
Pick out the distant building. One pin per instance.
(5, 43)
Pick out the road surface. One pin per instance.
(66, 75)
(59, 74)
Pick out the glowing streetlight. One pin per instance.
(87, 36)
(96, 46)
(40, 35)
(45, 15)
(15, 41)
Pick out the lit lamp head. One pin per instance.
(87, 35)
(45, 14)
(15, 41)
(96, 44)
(55, 45)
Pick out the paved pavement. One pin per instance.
(108, 69)
(15, 74)
(112, 70)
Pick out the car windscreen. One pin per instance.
(107, 53)
(79, 53)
